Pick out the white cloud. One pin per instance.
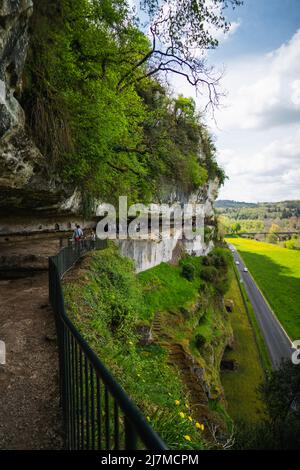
(133, 3)
(264, 92)
(221, 36)
(295, 92)
(234, 27)
(258, 135)
(259, 129)
(270, 173)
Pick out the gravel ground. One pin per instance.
(30, 415)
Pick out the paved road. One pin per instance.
(278, 343)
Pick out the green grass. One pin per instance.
(241, 385)
(189, 309)
(165, 288)
(109, 303)
(277, 273)
(261, 344)
(104, 299)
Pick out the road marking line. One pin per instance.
(271, 310)
(2, 353)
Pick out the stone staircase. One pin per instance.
(190, 371)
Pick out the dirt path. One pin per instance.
(30, 416)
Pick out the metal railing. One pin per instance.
(97, 412)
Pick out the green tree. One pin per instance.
(104, 138)
(272, 237)
(281, 428)
(236, 227)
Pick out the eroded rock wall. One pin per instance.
(149, 253)
(25, 180)
(28, 185)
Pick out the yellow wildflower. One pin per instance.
(200, 426)
(190, 418)
(186, 405)
(131, 343)
(187, 437)
(182, 415)
(177, 402)
(148, 418)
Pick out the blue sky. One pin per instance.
(264, 26)
(258, 126)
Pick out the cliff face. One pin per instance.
(149, 253)
(25, 181)
(28, 185)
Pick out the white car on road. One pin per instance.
(245, 269)
(237, 262)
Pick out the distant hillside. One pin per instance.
(228, 203)
(258, 211)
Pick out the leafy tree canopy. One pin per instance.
(100, 126)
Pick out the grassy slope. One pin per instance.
(277, 273)
(241, 385)
(166, 289)
(144, 371)
(186, 314)
(98, 293)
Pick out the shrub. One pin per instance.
(206, 260)
(200, 340)
(107, 305)
(188, 271)
(223, 285)
(209, 273)
(272, 238)
(220, 258)
(280, 428)
(293, 244)
(202, 317)
(208, 234)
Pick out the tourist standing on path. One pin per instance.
(78, 233)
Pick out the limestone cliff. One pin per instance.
(25, 180)
(28, 185)
(149, 253)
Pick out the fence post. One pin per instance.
(78, 363)
(130, 435)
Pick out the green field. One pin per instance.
(277, 272)
(240, 386)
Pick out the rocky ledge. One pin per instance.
(25, 180)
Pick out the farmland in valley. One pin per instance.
(276, 270)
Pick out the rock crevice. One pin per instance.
(25, 180)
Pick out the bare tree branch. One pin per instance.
(181, 31)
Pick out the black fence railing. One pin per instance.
(97, 412)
